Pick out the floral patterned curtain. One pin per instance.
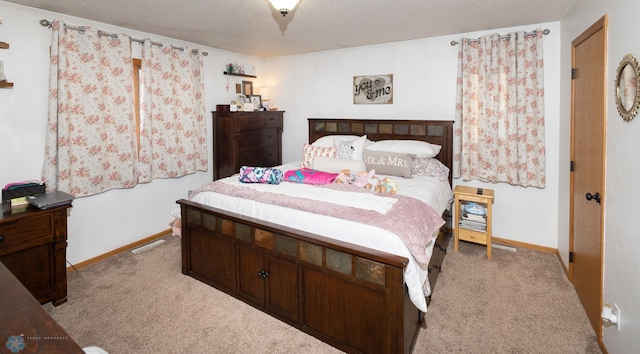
(173, 134)
(91, 131)
(499, 119)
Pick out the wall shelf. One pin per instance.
(234, 74)
(5, 84)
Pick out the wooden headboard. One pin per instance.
(438, 132)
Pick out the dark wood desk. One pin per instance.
(25, 324)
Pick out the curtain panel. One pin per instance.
(499, 115)
(173, 132)
(91, 129)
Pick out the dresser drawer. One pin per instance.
(259, 157)
(18, 232)
(257, 138)
(251, 122)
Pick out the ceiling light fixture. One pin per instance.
(284, 6)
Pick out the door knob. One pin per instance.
(595, 197)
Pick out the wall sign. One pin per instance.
(376, 89)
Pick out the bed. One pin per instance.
(355, 296)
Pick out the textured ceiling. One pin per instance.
(253, 27)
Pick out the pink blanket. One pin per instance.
(412, 220)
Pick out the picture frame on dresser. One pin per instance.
(256, 100)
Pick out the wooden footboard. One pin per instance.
(350, 297)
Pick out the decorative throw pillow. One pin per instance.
(420, 149)
(351, 149)
(345, 150)
(335, 165)
(358, 147)
(388, 163)
(250, 174)
(311, 152)
(430, 167)
(309, 176)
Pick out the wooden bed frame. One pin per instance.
(351, 297)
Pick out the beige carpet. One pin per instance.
(518, 302)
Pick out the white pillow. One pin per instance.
(335, 165)
(420, 149)
(332, 140)
(358, 147)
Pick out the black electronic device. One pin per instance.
(50, 200)
(22, 189)
(479, 192)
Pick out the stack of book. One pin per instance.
(473, 216)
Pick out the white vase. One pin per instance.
(3, 77)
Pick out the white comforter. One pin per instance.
(436, 193)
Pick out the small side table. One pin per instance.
(477, 231)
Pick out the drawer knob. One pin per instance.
(1, 238)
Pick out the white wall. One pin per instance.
(319, 85)
(424, 78)
(104, 222)
(622, 215)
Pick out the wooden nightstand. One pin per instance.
(33, 245)
(473, 227)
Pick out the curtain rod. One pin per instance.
(47, 23)
(545, 32)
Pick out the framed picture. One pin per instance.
(256, 100)
(373, 89)
(247, 88)
(241, 99)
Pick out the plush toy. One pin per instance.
(344, 177)
(366, 180)
(387, 186)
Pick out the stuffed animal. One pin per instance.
(366, 180)
(344, 177)
(387, 186)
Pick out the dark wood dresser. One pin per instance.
(25, 327)
(246, 139)
(33, 246)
